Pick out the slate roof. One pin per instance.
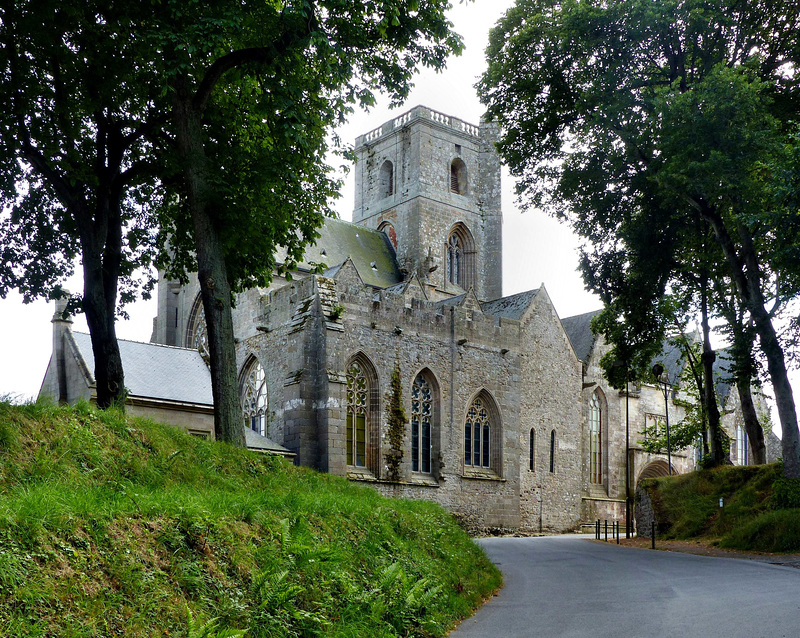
(671, 358)
(579, 331)
(451, 301)
(511, 307)
(371, 251)
(157, 372)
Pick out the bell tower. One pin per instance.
(431, 182)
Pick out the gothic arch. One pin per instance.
(483, 428)
(654, 469)
(196, 331)
(458, 176)
(460, 256)
(386, 180)
(388, 229)
(363, 414)
(424, 422)
(253, 395)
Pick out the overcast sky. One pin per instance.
(537, 249)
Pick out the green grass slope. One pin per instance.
(760, 508)
(111, 526)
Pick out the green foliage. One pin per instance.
(757, 512)
(673, 163)
(777, 531)
(396, 422)
(119, 526)
(786, 493)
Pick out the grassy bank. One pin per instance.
(759, 513)
(122, 527)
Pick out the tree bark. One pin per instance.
(215, 288)
(712, 410)
(748, 286)
(101, 267)
(755, 433)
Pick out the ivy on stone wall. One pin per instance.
(396, 426)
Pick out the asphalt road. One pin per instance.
(570, 586)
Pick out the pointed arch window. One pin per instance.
(460, 257)
(253, 392)
(455, 257)
(595, 440)
(422, 406)
(357, 413)
(196, 331)
(477, 435)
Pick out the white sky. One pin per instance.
(536, 248)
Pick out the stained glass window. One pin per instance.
(254, 398)
(357, 394)
(197, 333)
(477, 435)
(421, 422)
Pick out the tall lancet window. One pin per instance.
(357, 411)
(477, 435)
(595, 441)
(421, 420)
(253, 389)
(455, 259)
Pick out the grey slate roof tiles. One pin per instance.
(158, 372)
(579, 331)
(511, 307)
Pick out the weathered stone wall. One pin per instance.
(421, 145)
(462, 352)
(550, 387)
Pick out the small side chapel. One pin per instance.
(509, 423)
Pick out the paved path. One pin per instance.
(570, 586)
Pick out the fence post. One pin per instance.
(597, 529)
(617, 532)
(606, 530)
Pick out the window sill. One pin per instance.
(423, 479)
(360, 474)
(482, 474)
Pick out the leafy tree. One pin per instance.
(73, 163)
(669, 115)
(226, 107)
(255, 89)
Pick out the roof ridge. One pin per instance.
(142, 343)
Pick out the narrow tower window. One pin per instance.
(386, 179)
(458, 176)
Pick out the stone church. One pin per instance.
(510, 422)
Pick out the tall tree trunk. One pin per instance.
(101, 251)
(708, 357)
(748, 286)
(214, 285)
(755, 433)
